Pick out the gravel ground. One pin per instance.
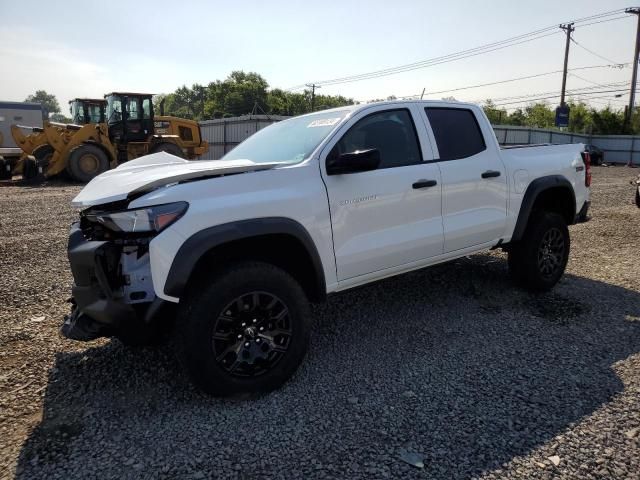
(451, 368)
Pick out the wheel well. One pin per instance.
(556, 200)
(282, 250)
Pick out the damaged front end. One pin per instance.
(113, 291)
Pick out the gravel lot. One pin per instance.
(451, 366)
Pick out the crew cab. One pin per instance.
(227, 254)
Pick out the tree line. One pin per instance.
(582, 118)
(241, 94)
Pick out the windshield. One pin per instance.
(77, 116)
(94, 112)
(114, 109)
(289, 141)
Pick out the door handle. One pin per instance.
(422, 183)
(490, 174)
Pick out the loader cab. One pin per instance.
(87, 110)
(129, 116)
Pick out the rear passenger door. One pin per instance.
(474, 180)
(391, 216)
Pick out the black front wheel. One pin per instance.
(87, 162)
(247, 331)
(538, 261)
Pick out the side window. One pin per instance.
(133, 109)
(392, 132)
(185, 133)
(457, 132)
(146, 108)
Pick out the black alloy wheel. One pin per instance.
(538, 260)
(252, 334)
(243, 329)
(551, 253)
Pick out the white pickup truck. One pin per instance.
(229, 252)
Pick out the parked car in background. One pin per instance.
(596, 154)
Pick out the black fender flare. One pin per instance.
(535, 188)
(196, 246)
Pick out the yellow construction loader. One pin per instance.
(36, 146)
(130, 131)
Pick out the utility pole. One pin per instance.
(634, 75)
(568, 28)
(313, 87)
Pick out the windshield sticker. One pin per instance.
(326, 122)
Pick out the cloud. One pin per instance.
(32, 62)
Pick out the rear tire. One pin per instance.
(171, 148)
(87, 162)
(247, 331)
(538, 260)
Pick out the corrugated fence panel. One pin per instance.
(225, 133)
(617, 148)
(516, 137)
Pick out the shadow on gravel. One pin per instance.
(453, 363)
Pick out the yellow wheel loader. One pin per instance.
(130, 131)
(39, 143)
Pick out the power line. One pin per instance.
(576, 91)
(524, 78)
(519, 39)
(556, 96)
(604, 21)
(604, 85)
(427, 63)
(591, 51)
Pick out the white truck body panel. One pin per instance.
(365, 226)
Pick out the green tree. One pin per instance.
(497, 116)
(539, 115)
(48, 101)
(607, 121)
(517, 117)
(580, 118)
(58, 117)
(242, 93)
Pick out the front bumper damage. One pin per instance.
(103, 303)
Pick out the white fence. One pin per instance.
(226, 133)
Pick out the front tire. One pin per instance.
(538, 261)
(87, 162)
(247, 331)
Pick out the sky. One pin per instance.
(89, 48)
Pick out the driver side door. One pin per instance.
(388, 217)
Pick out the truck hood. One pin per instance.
(144, 174)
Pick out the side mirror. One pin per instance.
(354, 162)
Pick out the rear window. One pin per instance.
(457, 132)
